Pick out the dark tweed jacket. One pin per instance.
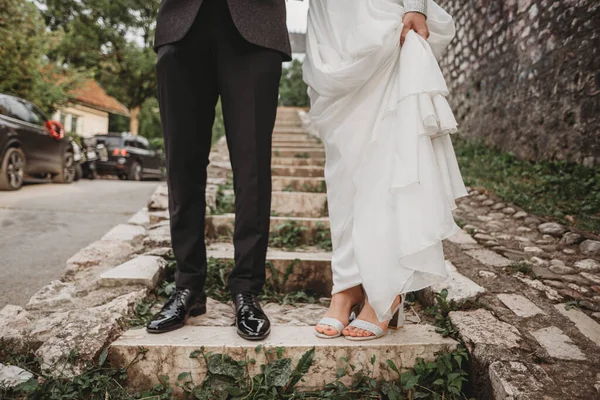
(261, 22)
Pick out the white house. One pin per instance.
(87, 112)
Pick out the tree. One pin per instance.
(292, 89)
(112, 39)
(24, 71)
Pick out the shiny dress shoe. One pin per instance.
(182, 304)
(251, 321)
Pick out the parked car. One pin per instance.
(31, 145)
(130, 157)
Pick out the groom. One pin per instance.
(206, 49)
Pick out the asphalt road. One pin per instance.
(44, 224)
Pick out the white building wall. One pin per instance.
(89, 121)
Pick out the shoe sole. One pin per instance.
(194, 312)
(253, 338)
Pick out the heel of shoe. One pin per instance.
(397, 320)
(197, 310)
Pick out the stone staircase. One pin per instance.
(298, 197)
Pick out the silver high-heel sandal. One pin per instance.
(396, 322)
(337, 324)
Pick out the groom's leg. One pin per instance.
(187, 95)
(249, 83)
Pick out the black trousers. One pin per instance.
(214, 60)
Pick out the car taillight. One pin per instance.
(120, 152)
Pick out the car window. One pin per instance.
(142, 144)
(19, 110)
(130, 143)
(38, 116)
(110, 142)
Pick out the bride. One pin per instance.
(378, 101)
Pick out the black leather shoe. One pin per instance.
(182, 304)
(250, 319)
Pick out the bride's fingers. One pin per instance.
(405, 31)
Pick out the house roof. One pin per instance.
(91, 94)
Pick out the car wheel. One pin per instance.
(78, 172)
(135, 172)
(67, 175)
(13, 169)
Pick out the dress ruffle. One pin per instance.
(391, 171)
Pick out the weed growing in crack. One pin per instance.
(225, 203)
(99, 381)
(288, 235)
(322, 237)
(521, 267)
(226, 378)
(302, 155)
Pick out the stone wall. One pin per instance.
(525, 76)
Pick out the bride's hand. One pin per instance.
(415, 21)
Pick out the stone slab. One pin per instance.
(305, 172)
(158, 216)
(520, 305)
(460, 288)
(222, 225)
(158, 237)
(299, 204)
(557, 344)
(587, 326)
(295, 161)
(125, 232)
(11, 376)
(489, 258)
(287, 183)
(512, 380)
(53, 295)
(142, 270)
(310, 270)
(140, 218)
(481, 327)
(100, 253)
(15, 323)
(462, 238)
(169, 354)
(299, 153)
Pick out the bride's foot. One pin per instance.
(339, 309)
(369, 316)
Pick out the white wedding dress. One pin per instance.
(391, 172)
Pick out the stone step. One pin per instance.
(297, 204)
(219, 226)
(294, 137)
(296, 144)
(294, 161)
(288, 130)
(298, 172)
(170, 354)
(310, 271)
(292, 184)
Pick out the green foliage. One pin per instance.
(225, 201)
(230, 379)
(273, 291)
(99, 381)
(226, 378)
(322, 237)
(24, 71)
(112, 40)
(440, 311)
(562, 191)
(219, 125)
(292, 89)
(288, 235)
(521, 267)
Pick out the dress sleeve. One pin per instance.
(419, 6)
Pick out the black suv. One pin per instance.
(30, 145)
(130, 157)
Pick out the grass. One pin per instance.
(562, 191)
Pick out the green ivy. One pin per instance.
(559, 190)
(288, 235)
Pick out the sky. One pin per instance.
(296, 15)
